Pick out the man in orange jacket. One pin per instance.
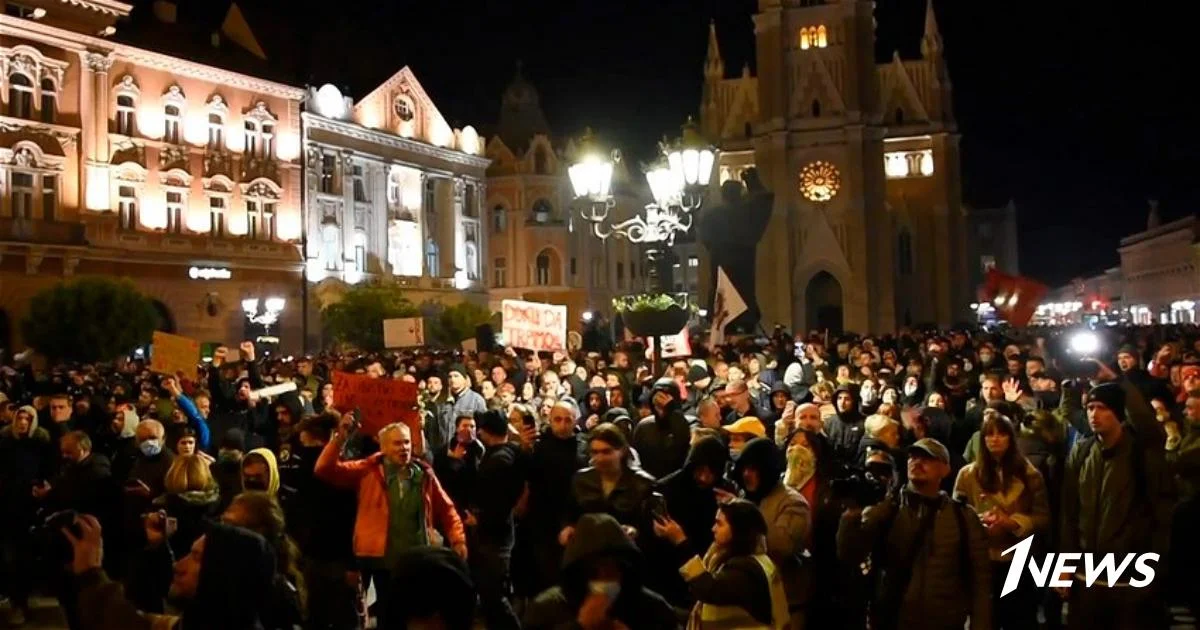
(401, 504)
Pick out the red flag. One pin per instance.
(1015, 298)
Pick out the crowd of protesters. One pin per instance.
(781, 482)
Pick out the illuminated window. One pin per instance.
(693, 261)
(49, 101)
(22, 195)
(432, 260)
(216, 216)
(821, 40)
(268, 139)
(804, 41)
(330, 237)
(127, 207)
(542, 211)
(125, 115)
(171, 123)
(814, 37)
(49, 196)
(500, 273)
(174, 212)
(20, 96)
(471, 256)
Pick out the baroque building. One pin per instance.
(393, 194)
(540, 249)
(868, 228)
(119, 160)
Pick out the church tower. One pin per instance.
(866, 233)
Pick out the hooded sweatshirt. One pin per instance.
(662, 440)
(272, 469)
(845, 429)
(691, 505)
(599, 536)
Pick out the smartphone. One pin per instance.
(357, 424)
(657, 505)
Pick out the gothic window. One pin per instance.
(816, 109)
(127, 207)
(499, 219)
(804, 42)
(125, 115)
(22, 195)
(821, 38)
(174, 211)
(49, 196)
(499, 273)
(20, 96)
(49, 101)
(171, 124)
(904, 252)
(542, 269)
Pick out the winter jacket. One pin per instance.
(692, 506)
(320, 518)
(193, 511)
(663, 439)
(626, 502)
(552, 469)
(942, 591)
(1026, 502)
(23, 461)
(742, 592)
(599, 536)
(502, 474)
(458, 476)
(786, 512)
(236, 575)
(371, 522)
(1133, 515)
(845, 430)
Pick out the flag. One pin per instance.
(727, 306)
(1015, 298)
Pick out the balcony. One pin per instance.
(256, 167)
(218, 162)
(41, 232)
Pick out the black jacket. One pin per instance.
(845, 430)
(501, 481)
(690, 505)
(458, 476)
(87, 487)
(320, 517)
(626, 502)
(552, 468)
(23, 461)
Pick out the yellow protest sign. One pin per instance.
(173, 354)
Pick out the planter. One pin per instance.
(655, 322)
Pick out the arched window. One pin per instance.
(904, 252)
(821, 39)
(49, 101)
(499, 219)
(216, 131)
(432, 260)
(542, 270)
(171, 123)
(816, 108)
(804, 41)
(542, 211)
(20, 96)
(126, 109)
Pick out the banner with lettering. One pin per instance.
(534, 326)
(174, 355)
(381, 401)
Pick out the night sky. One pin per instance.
(1077, 115)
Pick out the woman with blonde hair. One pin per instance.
(191, 500)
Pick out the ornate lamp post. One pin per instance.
(678, 181)
(272, 308)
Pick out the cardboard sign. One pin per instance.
(404, 332)
(673, 346)
(381, 401)
(469, 345)
(172, 354)
(534, 326)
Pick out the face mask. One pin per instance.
(985, 358)
(150, 448)
(867, 395)
(611, 590)
(910, 390)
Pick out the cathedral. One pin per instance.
(868, 229)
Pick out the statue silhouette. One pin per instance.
(731, 232)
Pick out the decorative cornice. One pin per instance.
(107, 7)
(385, 139)
(67, 40)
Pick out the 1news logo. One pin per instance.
(1057, 564)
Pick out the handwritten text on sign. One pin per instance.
(174, 355)
(381, 401)
(534, 326)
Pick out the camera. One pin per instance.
(866, 486)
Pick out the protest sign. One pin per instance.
(381, 401)
(404, 332)
(673, 346)
(173, 354)
(534, 326)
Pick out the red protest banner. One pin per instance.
(381, 401)
(1015, 298)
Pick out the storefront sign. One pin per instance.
(534, 326)
(209, 273)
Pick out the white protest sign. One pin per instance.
(534, 326)
(404, 332)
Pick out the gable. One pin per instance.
(400, 105)
(897, 92)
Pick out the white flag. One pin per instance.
(727, 305)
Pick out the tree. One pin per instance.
(89, 320)
(357, 319)
(450, 325)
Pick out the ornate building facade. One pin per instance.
(540, 250)
(1159, 270)
(393, 193)
(868, 228)
(120, 161)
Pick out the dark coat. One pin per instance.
(458, 476)
(662, 442)
(552, 468)
(626, 502)
(690, 505)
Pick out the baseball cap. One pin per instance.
(750, 425)
(931, 448)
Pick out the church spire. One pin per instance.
(714, 66)
(931, 43)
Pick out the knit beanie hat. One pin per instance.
(1110, 395)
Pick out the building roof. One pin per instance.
(521, 115)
